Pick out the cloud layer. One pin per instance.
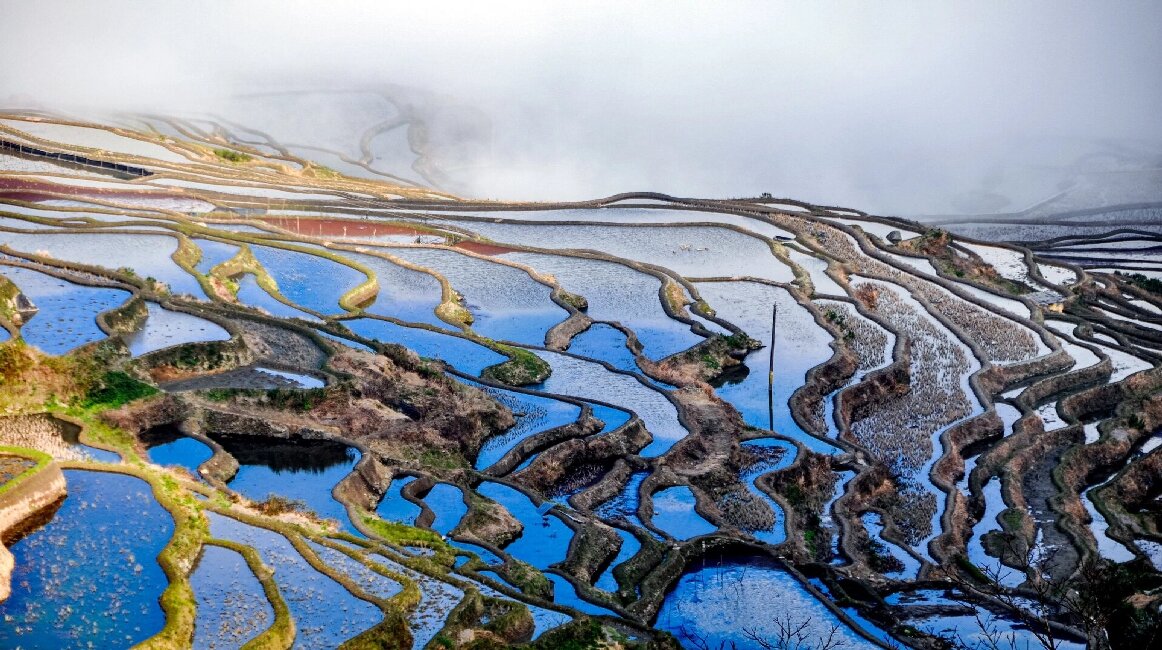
(904, 107)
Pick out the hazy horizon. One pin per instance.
(889, 108)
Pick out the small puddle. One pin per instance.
(167, 446)
(674, 513)
(301, 470)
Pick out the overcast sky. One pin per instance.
(905, 107)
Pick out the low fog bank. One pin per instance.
(896, 109)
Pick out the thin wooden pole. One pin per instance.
(771, 372)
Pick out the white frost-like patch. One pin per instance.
(920, 264)
(1009, 263)
(1058, 275)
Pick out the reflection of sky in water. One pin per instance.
(104, 540)
(232, 607)
(165, 328)
(325, 613)
(533, 415)
(691, 251)
(769, 461)
(147, 255)
(182, 452)
(462, 354)
(589, 380)
(800, 346)
(629, 547)
(447, 502)
(253, 295)
(394, 507)
(68, 312)
(604, 343)
(719, 598)
(403, 293)
(506, 303)
(213, 254)
(308, 280)
(302, 471)
(545, 539)
(617, 293)
(674, 513)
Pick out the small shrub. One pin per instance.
(115, 388)
(230, 155)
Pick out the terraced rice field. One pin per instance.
(368, 410)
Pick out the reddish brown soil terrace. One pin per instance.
(338, 227)
(18, 189)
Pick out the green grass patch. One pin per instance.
(523, 368)
(403, 534)
(114, 389)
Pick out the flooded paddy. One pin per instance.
(506, 303)
(164, 328)
(461, 354)
(147, 255)
(167, 446)
(564, 593)
(588, 380)
(403, 293)
(310, 281)
(94, 138)
(447, 502)
(975, 626)
(545, 539)
(770, 455)
(104, 540)
(605, 343)
(619, 294)
(394, 507)
(232, 607)
(300, 470)
(627, 215)
(213, 253)
(630, 545)
(800, 345)
(625, 503)
(533, 414)
(325, 613)
(641, 266)
(692, 251)
(67, 316)
(674, 514)
(726, 599)
(251, 294)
